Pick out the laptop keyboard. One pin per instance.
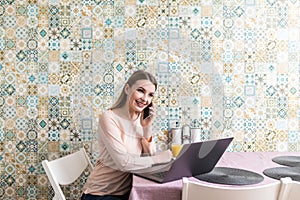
(160, 174)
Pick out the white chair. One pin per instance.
(198, 190)
(66, 170)
(290, 189)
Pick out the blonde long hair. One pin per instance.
(137, 75)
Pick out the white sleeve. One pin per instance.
(148, 134)
(111, 135)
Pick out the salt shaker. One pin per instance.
(195, 134)
(186, 134)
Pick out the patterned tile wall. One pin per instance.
(229, 67)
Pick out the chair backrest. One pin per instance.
(291, 189)
(66, 170)
(197, 190)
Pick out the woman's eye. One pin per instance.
(140, 90)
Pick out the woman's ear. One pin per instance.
(126, 88)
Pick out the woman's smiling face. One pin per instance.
(139, 95)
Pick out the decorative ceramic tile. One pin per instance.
(228, 67)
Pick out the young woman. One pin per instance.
(125, 141)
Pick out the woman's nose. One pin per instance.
(146, 99)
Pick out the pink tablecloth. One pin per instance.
(253, 161)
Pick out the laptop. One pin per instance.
(193, 159)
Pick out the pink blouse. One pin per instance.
(120, 154)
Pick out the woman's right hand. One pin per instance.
(162, 157)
